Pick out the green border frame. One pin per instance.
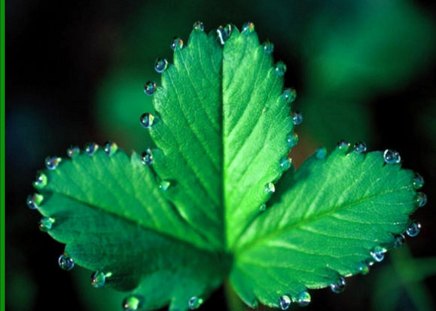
(2, 156)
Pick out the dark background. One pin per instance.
(365, 70)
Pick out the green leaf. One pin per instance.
(173, 232)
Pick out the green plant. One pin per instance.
(218, 198)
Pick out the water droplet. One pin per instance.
(297, 118)
(391, 156)
(177, 44)
(164, 185)
(303, 299)
(262, 207)
(414, 229)
(378, 253)
(248, 28)
(360, 147)
(147, 157)
(289, 95)
(321, 153)
(41, 181)
(73, 151)
(198, 26)
(270, 188)
(399, 240)
(285, 302)
(46, 223)
(52, 162)
(421, 199)
(66, 263)
(34, 200)
(285, 163)
(98, 278)
(160, 65)
(223, 33)
(110, 148)
(343, 145)
(280, 69)
(363, 268)
(195, 302)
(339, 286)
(418, 181)
(150, 88)
(268, 47)
(133, 303)
(147, 120)
(91, 149)
(292, 140)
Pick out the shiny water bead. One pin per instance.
(195, 302)
(147, 157)
(52, 162)
(270, 188)
(285, 302)
(321, 153)
(418, 181)
(303, 299)
(248, 28)
(289, 95)
(66, 263)
(391, 156)
(343, 145)
(297, 118)
(164, 185)
(414, 229)
(133, 303)
(199, 26)
(110, 148)
(360, 147)
(150, 87)
(223, 33)
(421, 199)
(268, 47)
(41, 181)
(280, 69)
(285, 163)
(46, 223)
(160, 65)
(363, 268)
(177, 44)
(34, 200)
(339, 286)
(73, 151)
(292, 140)
(98, 279)
(399, 240)
(147, 120)
(262, 207)
(91, 148)
(378, 253)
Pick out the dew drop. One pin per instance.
(285, 163)
(285, 302)
(66, 263)
(339, 286)
(147, 120)
(270, 188)
(321, 153)
(343, 145)
(360, 147)
(73, 151)
(289, 95)
(91, 149)
(421, 199)
(262, 207)
(194, 302)
(418, 181)
(52, 162)
(399, 240)
(46, 223)
(303, 299)
(98, 278)
(160, 65)
(292, 140)
(198, 26)
(176, 44)
(414, 229)
(363, 268)
(110, 148)
(391, 156)
(150, 88)
(297, 118)
(378, 253)
(34, 200)
(268, 47)
(147, 157)
(41, 181)
(223, 33)
(133, 303)
(248, 28)
(280, 69)
(164, 185)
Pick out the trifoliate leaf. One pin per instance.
(170, 226)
